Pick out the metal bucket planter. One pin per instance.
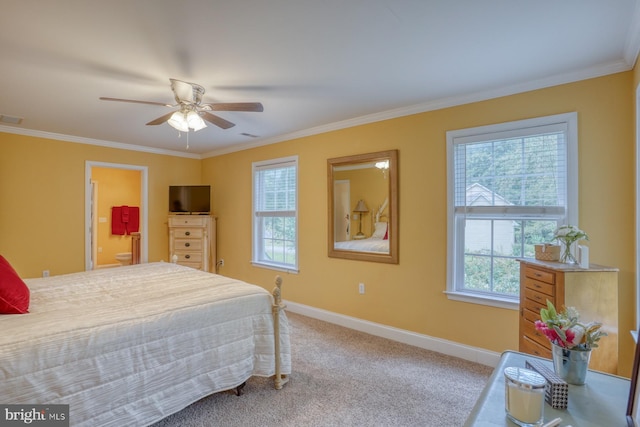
(571, 365)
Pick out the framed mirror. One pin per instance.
(363, 207)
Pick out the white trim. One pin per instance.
(144, 208)
(437, 104)
(97, 142)
(568, 121)
(282, 162)
(614, 67)
(637, 219)
(450, 348)
(493, 300)
(632, 45)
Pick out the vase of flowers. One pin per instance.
(571, 341)
(567, 235)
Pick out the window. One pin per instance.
(508, 186)
(275, 213)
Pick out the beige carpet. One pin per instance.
(343, 377)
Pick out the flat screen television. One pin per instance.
(190, 199)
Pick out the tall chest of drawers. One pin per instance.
(192, 240)
(593, 292)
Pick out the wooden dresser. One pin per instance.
(192, 238)
(593, 292)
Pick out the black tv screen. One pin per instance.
(190, 198)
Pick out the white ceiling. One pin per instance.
(315, 65)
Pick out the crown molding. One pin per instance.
(584, 74)
(633, 47)
(97, 142)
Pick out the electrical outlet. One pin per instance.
(361, 288)
(221, 262)
(45, 273)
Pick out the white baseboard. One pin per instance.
(451, 348)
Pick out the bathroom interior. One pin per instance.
(112, 187)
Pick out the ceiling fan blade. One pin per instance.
(136, 101)
(160, 119)
(218, 121)
(234, 106)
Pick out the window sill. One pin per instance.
(483, 300)
(275, 267)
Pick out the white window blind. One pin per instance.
(510, 186)
(275, 213)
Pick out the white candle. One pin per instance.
(524, 396)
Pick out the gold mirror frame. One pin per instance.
(362, 160)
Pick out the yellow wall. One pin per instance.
(42, 200)
(42, 209)
(410, 295)
(116, 187)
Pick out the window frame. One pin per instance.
(455, 239)
(256, 230)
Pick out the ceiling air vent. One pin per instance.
(10, 119)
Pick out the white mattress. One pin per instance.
(131, 345)
(364, 245)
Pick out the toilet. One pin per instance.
(124, 258)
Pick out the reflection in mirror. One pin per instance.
(363, 207)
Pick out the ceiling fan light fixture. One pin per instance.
(195, 122)
(178, 121)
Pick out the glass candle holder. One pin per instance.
(524, 396)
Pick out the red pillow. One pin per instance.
(14, 293)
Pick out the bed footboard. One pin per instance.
(280, 380)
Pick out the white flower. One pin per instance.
(569, 234)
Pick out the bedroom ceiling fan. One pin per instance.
(191, 113)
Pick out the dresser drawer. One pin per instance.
(530, 315)
(195, 233)
(539, 286)
(196, 265)
(537, 297)
(531, 347)
(541, 275)
(188, 244)
(187, 221)
(528, 329)
(189, 257)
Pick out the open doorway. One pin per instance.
(95, 220)
(342, 209)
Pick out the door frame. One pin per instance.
(88, 220)
(637, 196)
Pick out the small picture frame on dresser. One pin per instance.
(633, 404)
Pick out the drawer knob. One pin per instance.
(187, 244)
(187, 256)
(187, 233)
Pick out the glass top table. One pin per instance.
(602, 401)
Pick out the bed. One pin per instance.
(370, 244)
(378, 242)
(132, 345)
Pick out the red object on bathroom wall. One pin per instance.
(125, 220)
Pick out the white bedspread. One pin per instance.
(131, 345)
(364, 245)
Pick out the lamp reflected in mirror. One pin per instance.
(361, 209)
